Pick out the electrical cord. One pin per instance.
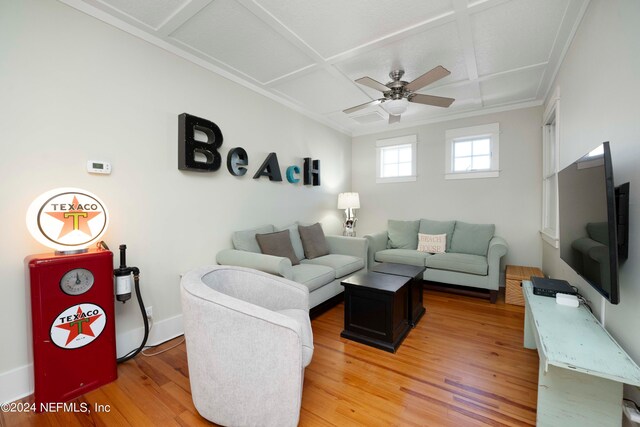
(632, 401)
(134, 353)
(162, 351)
(582, 299)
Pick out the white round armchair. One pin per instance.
(248, 339)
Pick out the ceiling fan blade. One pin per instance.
(436, 101)
(428, 78)
(374, 84)
(361, 106)
(393, 119)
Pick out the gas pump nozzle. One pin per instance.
(123, 276)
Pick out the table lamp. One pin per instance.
(349, 202)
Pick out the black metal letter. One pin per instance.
(311, 171)
(270, 168)
(236, 159)
(188, 147)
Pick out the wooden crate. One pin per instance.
(515, 274)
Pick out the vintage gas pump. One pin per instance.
(72, 296)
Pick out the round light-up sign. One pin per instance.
(67, 219)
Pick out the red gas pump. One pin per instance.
(72, 308)
(72, 297)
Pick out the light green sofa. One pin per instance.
(472, 256)
(320, 275)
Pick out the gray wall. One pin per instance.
(599, 101)
(511, 201)
(73, 89)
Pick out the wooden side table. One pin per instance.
(416, 305)
(515, 274)
(376, 309)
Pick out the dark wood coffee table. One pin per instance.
(416, 303)
(376, 309)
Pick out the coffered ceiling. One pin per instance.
(502, 54)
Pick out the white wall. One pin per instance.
(599, 101)
(74, 89)
(511, 201)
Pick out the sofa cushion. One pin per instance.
(302, 317)
(277, 244)
(312, 276)
(428, 226)
(463, 263)
(342, 264)
(313, 240)
(472, 238)
(432, 243)
(403, 234)
(296, 242)
(403, 256)
(245, 240)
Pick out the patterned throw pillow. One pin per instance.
(432, 243)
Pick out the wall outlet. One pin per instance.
(149, 311)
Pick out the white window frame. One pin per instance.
(550, 154)
(410, 140)
(491, 131)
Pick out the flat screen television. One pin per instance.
(593, 220)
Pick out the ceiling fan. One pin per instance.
(398, 93)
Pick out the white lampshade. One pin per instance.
(348, 200)
(396, 106)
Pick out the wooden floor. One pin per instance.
(463, 365)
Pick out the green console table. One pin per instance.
(582, 368)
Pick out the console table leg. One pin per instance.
(529, 332)
(570, 398)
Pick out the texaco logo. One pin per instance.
(67, 218)
(78, 326)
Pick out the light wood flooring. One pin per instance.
(463, 365)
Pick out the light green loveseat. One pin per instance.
(321, 275)
(472, 256)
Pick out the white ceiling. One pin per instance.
(502, 54)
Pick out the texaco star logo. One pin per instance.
(75, 218)
(67, 219)
(78, 326)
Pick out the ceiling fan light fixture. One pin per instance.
(396, 107)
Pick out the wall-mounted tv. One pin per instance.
(593, 220)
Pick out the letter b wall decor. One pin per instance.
(189, 147)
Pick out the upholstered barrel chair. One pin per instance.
(248, 339)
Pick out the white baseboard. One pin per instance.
(18, 383)
(161, 331)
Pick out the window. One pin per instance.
(550, 139)
(472, 152)
(396, 159)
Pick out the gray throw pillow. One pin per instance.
(313, 241)
(428, 226)
(472, 239)
(277, 244)
(296, 242)
(403, 234)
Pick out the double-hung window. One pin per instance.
(396, 159)
(473, 152)
(550, 139)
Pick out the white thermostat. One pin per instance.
(95, 166)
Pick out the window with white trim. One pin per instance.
(396, 159)
(473, 152)
(550, 145)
